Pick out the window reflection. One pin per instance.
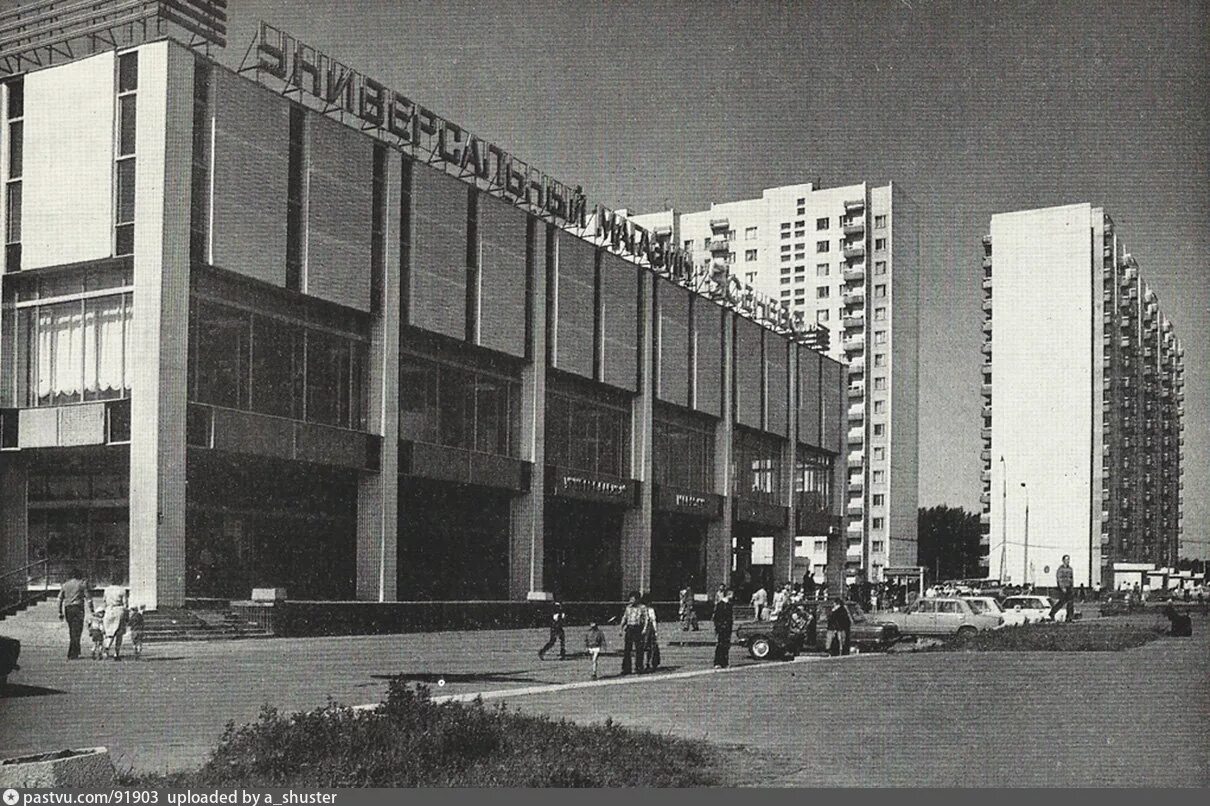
(756, 466)
(683, 455)
(455, 407)
(587, 435)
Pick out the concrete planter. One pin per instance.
(86, 768)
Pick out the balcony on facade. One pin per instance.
(987, 325)
(854, 296)
(856, 483)
(856, 436)
(856, 458)
(854, 251)
(720, 223)
(987, 264)
(854, 273)
(986, 349)
(854, 227)
(985, 390)
(854, 342)
(857, 411)
(854, 204)
(854, 319)
(856, 365)
(855, 508)
(719, 243)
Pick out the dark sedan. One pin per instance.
(799, 628)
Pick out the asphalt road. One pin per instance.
(1132, 718)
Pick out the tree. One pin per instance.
(948, 542)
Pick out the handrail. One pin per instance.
(24, 568)
(22, 591)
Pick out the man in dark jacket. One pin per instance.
(74, 597)
(839, 625)
(724, 623)
(1064, 578)
(556, 634)
(634, 625)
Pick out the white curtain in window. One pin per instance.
(60, 352)
(104, 331)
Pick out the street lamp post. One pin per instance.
(1025, 558)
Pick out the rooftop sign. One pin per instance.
(291, 66)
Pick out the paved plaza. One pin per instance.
(974, 719)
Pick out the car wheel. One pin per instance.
(760, 647)
(966, 631)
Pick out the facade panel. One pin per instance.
(250, 167)
(672, 385)
(777, 369)
(748, 373)
(808, 397)
(575, 308)
(438, 254)
(339, 214)
(619, 322)
(707, 375)
(68, 163)
(502, 275)
(832, 434)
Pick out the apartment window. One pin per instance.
(876, 546)
(879, 244)
(801, 201)
(750, 234)
(749, 254)
(879, 314)
(880, 383)
(880, 291)
(822, 270)
(785, 248)
(800, 211)
(879, 454)
(124, 169)
(879, 476)
(879, 267)
(785, 258)
(879, 429)
(13, 186)
(785, 270)
(785, 292)
(880, 359)
(785, 280)
(879, 499)
(880, 337)
(800, 292)
(706, 242)
(822, 247)
(821, 316)
(877, 523)
(880, 222)
(823, 292)
(689, 246)
(879, 406)
(295, 202)
(821, 223)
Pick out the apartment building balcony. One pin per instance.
(985, 498)
(986, 349)
(857, 411)
(854, 204)
(985, 518)
(854, 551)
(854, 296)
(856, 391)
(987, 243)
(985, 476)
(854, 251)
(856, 459)
(855, 342)
(856, 319)
(987, 326)
(856, 436)
(857, 365)
(856, 483)
(987, 264)
(987, 305)
(719, 244)
(720, 222)
(985, 455)
(854, 273)
(854, 227)
(855, 507)
(985, 390)
(985, 432)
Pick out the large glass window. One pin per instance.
(76, 351)
(242, 360)
(683, 454)
(813, 479)
(756, 466)
(128, 83)
(583, 434)
(456, 407)
(16, 159)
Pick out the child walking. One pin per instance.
(134, 627)
(96, 631)
(594, 642)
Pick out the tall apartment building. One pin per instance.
(1083, 392)
(845, 258)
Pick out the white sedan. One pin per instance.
(987, 605)
(1035, 608)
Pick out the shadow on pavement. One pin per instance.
(14, 690)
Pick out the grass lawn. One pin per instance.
(413, 742)
(1105, 635)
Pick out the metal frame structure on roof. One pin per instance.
(42, 33)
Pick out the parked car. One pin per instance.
(990, 605)
(799, 629)
(948, 615)
(10, 650)
(1036, 608)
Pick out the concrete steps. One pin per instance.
(39, 625)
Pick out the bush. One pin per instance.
(411, 742)
(1050, 637)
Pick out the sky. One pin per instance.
(973, 108)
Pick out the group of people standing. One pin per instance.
(107, 625)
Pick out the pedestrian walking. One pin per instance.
(724, 622)
(1064, 578)
(556, 634)
(115, 620)
(634, 622)
(839, 626)
(759, 600)
(96, 633)
(134, 629)
(594, 642)
(651, 638)
(74, 597)
(687, 613)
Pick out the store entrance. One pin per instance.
(583, 551)
(751, 560)
(678, 555)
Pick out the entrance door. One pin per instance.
(678, 555)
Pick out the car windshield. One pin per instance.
(1024, 604)
(984, 605)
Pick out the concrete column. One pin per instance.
(161, 313)
(637, 522)
(718, 535)
(783, 539)
(528, 517)
(378, 493)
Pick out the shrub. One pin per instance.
(1051, 637)
(411, 741)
